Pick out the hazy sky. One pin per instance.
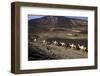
(36, 16)
(33, 17)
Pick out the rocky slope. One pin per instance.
(57, 21)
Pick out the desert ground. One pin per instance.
(39, 50)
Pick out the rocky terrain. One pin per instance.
(57, 22)
(60, 29)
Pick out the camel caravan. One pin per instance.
(63, 44)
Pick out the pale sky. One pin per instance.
(33, 17)
(36, 16)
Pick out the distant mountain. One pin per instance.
(57, 21)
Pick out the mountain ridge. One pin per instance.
(56, 21)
